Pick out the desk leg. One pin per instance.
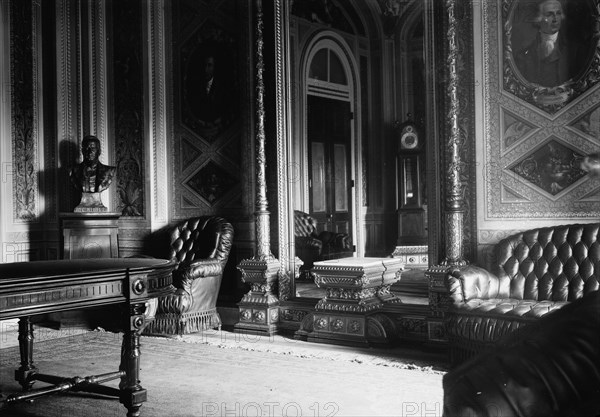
(27, 370)
(132, 394)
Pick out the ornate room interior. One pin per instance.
(338, 172)
(397, 130)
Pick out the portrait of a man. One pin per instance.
(551, 55)
(209, 90)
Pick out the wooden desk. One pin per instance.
(30, 288)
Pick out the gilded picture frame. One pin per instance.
(550, 77)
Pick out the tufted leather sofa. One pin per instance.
(201, 247)
(549, 368)
(311, 246)
(536, 272)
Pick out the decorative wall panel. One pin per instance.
(208, 85)
(128, 72)
(24, 127)
(538, 126)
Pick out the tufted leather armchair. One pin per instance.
(201, 247)
(536, 272)
(311, 246)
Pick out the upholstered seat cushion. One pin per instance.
(510, 307)
(481, 320)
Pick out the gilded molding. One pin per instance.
(98, 100)
(158, 109)
(68, 111)
(289, 268)
(434, 171)
(23, 70)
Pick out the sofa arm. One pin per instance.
(471, 282)
(204, 268)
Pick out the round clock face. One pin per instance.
(409, 138)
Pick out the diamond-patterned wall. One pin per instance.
(207, 163)
(535, 136)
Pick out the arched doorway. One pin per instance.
(330, 137)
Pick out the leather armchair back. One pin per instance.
(201, 238)
(560, 263)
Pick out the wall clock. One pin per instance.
(409, 137)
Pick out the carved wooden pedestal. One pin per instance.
(89, 235)
(438, 304)
(259, 309)
(357, 289)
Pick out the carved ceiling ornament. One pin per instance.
(527, 141)
(569, 70)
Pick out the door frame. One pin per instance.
(350, 93)
(331, 179)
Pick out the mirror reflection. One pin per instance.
(358, 135)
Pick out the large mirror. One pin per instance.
(353, 115)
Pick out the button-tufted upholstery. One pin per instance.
(548, 368)
(536, 272)
(311, 246)
(201, 246)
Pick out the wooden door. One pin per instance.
(330, 174)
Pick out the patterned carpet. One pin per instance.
(221, 373)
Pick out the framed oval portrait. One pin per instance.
(549, 49)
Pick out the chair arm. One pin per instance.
(471, 282)
(178, 302)
(308, 243)
(203, 268)
(335, 241)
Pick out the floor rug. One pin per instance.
(215, 374)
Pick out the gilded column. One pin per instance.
(452, 138)
(454, 205)
(259, 308)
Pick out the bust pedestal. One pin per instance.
(89, 235)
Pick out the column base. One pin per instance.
(347, 329)
(257, 319)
